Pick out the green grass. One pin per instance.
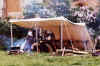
(44, 59)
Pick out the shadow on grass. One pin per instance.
(76, 63)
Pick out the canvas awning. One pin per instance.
(71, 31)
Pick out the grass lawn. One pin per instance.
(44, 59)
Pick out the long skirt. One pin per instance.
(27, 47)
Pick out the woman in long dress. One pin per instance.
(29, 42)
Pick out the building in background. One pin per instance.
(12, 8)
(1, 8)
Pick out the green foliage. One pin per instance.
(4, 26)
(5, 29)
(44, 59)
(82, 15)
(68, 2)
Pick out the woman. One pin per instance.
(29, 42)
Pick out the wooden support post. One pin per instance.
(36, 36)
(63, 51)
(11, 31)
(61, 36)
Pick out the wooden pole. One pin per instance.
(36, 36)
(11, 31)
(63, 51)
(61, 35)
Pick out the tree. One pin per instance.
(82, 15)
(53, 9)
(4, 26)
(33, 9)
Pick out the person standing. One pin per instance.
(29, 42)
